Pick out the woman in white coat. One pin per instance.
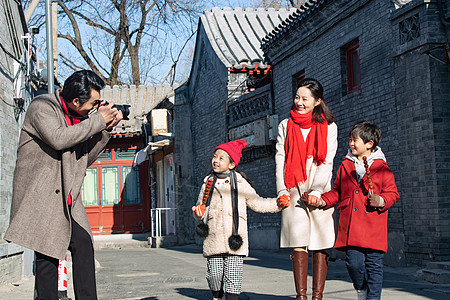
(306, 145)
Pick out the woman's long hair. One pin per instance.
(317, 91)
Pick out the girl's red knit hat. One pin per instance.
(234, 149)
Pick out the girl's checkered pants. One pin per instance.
(224, 272)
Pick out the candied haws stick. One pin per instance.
(207, 190)
(369, 177)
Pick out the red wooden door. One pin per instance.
(115, 194)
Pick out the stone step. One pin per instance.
(115, 241)
(436, 275)
(442, 265)
(163, 241)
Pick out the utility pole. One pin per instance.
(49, 28)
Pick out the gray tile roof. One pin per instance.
(142, 99)
(298, 16)
(236, 34)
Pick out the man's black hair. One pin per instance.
(367, 132)
(80, 84)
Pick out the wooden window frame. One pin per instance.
(296, 78)
(131, 185)
(349, 51)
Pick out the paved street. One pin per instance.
(178, 273)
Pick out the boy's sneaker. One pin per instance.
(362, 294)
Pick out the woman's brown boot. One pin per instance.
(320, 266)
(300, 266)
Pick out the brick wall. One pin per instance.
(185, 183)
(422, 93)
(9, 127)
(11, 256)
(11, 268)
(264, 229)
(200, 126)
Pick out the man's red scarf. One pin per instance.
(298, 151)
(70, 121)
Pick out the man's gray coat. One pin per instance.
(52, 159)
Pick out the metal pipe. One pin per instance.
(50, 71)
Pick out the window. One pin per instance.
(353, 68)
(296, 80)
(106, 155)
(409, 29)
(131, 186)
(89, 189)
(110, 186)
(125, 154)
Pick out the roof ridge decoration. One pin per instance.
(236, 34)
(306, 10)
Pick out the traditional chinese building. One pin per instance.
(116, 192)
(386, 62)
(228, 96)
(382, 61)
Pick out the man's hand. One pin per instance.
(117, 118)
(284, 201)
(199, 210)
(376, 201)
(111, 115)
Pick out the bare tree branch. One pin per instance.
(70, 63)
(123, 40)
(76, 42)
(92, 23)
(96, 60)
(174, 65)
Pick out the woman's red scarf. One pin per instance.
(298, 151)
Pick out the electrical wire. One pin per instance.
(11, 55)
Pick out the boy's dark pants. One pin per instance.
(365, 267)
(83, 265)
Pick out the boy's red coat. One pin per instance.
(361, 225)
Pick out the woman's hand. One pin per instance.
(312, 200)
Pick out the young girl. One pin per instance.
(306, 146)
(221, 207)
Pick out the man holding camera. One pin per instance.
(61, 136)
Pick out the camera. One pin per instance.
(124, 108)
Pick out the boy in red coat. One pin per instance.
(362, 232)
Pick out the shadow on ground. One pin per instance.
(199, 294)
(247, 296)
